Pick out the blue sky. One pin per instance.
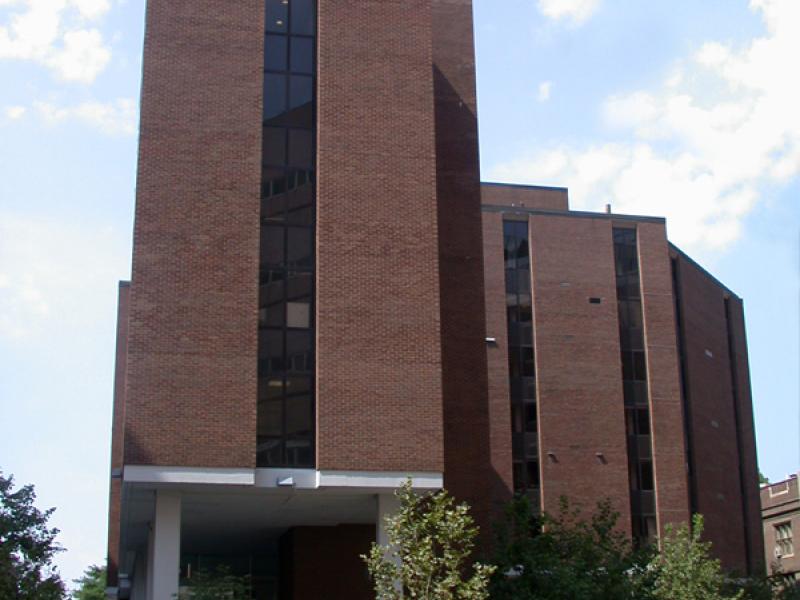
(677, 108)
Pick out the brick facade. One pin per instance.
(724, 474)
(748, 459)
(468, 470)
(526, 196)
(118, 434)
(666, 406)
(497, 359)
(379, 386)
(581, 417)
(580, 398)
(191, 397)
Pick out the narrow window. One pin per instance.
(783, 539)
(286, 401)
(521, 359)
(634, 379)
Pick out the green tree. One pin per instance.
(684, 569)
(762, 479)
(566, 557)
(219, 584)
(787, 590)
(431, 540)
(27, 547)
(92, 586)
(774, 587)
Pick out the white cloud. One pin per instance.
(54, 273)
(15, 112)
(82, 57)
(702, 148)
(577, 11)
(113, 118)
(52, 33)
(545, 89)
(92, 9)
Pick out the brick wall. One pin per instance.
(578, 364)
(324, 562)
(715, 443)
(528, 196)
(663, 374)
(379, 385)
(191, 397)
(497, 358)
(747, 437)
(117, 434)
(468, 469)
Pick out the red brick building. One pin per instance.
(325, 300)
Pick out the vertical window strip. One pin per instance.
(285, 428)
(519, 309)
(635, 387)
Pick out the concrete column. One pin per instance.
(164, 568)
(388, 504)
(147, 592)
(139, 583)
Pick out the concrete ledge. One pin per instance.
(198, 475)
(350, 480)
(308, 479)
(304, 479)
(380, 480)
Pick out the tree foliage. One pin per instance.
(92, 586)
(217, 584)
(27, 546)
(565, 557)
(774, 587)
(685, 569)
(431, 541)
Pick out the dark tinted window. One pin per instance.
(301, 90)
(272, 246)
(276, 52)
(274, 96)
(530, 418)
(302, 55)
(298, 415)
(647, 476)
(300, 247)
(274, 146)
(303, 17)
(634, 375)
(301, 148)
(273, 210)
(286, 293)
(277, 16)
(521, 359)
(270, 417)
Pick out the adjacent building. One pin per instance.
(326, 300)
(780, 509)
(622, 366)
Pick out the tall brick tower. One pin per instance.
(303, 328)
